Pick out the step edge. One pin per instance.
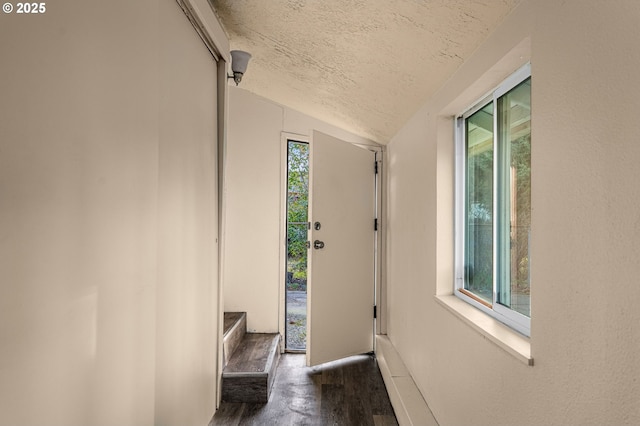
(273, 353)
(244, 374)
(274, 350)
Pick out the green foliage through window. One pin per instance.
(297, 214)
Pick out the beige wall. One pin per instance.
(107, 217)
(586, 232)
(253, 203)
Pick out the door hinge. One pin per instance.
(375, 311)
(375, 166)
(375, 224)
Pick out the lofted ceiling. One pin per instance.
(363, 65)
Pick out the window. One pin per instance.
(493, 203)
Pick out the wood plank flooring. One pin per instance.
(346, 392)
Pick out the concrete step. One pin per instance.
(250, 372)
(235, 327)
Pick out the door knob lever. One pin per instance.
(317, 244)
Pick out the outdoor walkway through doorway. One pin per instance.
(297, 227)
(296, 320)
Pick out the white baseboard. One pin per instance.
(408, 404)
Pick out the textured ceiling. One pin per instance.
(363, 65)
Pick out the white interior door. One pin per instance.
(341, 285)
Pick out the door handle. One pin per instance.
(317, 244)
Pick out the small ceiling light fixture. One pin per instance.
(239, 62)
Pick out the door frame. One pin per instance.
(381, 244)
(380, 289)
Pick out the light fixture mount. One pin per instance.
(239, 62)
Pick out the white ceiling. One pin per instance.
(363, 65)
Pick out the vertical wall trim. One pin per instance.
(223, 102)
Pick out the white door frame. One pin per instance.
(381, 244)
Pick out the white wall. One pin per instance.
(253, 203)
(107, 212)
(585, 237)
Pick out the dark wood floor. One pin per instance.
(347, 392)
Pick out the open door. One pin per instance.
(341, 257)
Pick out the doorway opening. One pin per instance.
(297, 225)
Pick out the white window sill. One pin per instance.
(509, 340)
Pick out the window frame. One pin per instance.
(511, 318)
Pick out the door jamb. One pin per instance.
(381, 245)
